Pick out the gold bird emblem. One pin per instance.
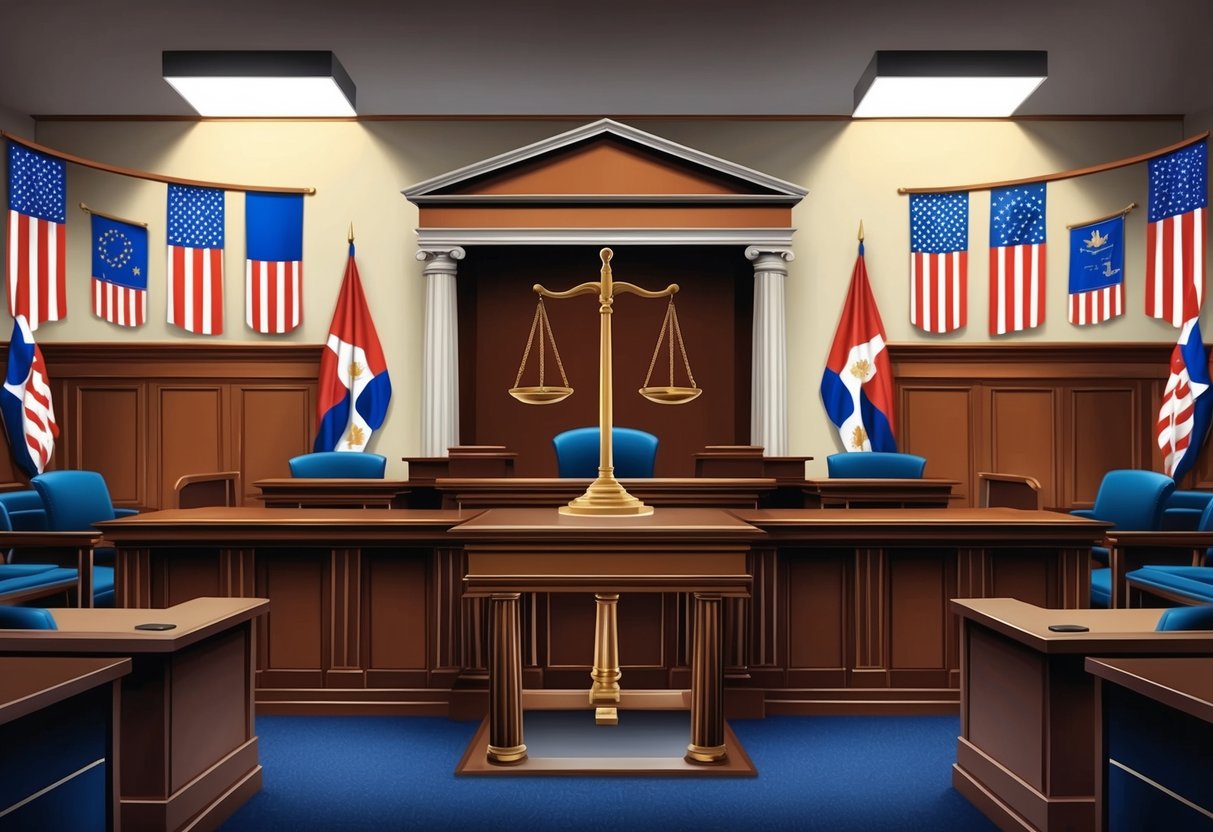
(357, 437)
(1097, 240)
(355, 369)
(862, 369)
(858, 437)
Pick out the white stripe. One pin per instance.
(296, 304)
(169, 287)
(913, 289)
(280, 273)
(1177, 272)
(263, 287)
(12, 261)
(956, 278)
(941, 298)
(1017, 287)
(1034, 309)
(34, 298)
(142, 307)
(52, 270)
(1198, 253)
(187, 290)
(248, 294)
(1159, 277)
(206, 279)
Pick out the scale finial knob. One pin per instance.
(606, 254)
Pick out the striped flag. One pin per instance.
(1097, 271)
(1184, 417)
(119, 271)
(273, 271)
(939, 261)
(195, 259)
(1175, 236)
(25, 402)
(1017, 258)
(37, 235)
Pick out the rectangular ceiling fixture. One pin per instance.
(266, 84)
(955, 84)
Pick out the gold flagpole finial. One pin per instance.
(351, 237)
(861, 231)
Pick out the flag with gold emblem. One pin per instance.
(354, 388)
(857, 387)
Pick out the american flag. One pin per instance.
(25, 402)
(1175, 236)
(195, 259)
(1017, 258)
(119, 271)
(273, 270)
(37, 235)
(1184, 417)
(939, 261)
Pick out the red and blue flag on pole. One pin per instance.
(273, 270)
(1187, 405)
(1175, 235)
(25, 403)
(354, 388)
(1017, 258)
(37, 235)
(1097, 271)
(857, 386)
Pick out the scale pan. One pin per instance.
(670, 395)
(541, 395)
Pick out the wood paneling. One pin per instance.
(145, 414)
(1062, 413)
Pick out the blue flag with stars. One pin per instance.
(1017, 258)
(119, 271)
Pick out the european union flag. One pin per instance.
(119, 271)
(1097, 271)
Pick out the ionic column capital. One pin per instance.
(770, 258)
(442, 260)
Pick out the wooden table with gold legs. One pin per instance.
(698, 551)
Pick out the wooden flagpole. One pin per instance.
(1112, 215)
(88, 210)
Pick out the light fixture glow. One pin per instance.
(269, 84)
(948, 84)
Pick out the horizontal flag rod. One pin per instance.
(88, 210)
(143, 174)
(1112, 215)
(1065, 174)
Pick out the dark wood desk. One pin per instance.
(514, 551)
(58, 747)
(551, 492)
(188, 747)
(1025, 755)
(367, 617)
(36, 546)
(841, 492)
(317, 492)
(1152, 749)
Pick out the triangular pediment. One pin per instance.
(604, 162)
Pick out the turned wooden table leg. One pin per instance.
(604, 692)
(707, 684)
(505, 681)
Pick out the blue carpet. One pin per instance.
(841, 774)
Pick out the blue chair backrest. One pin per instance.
(634, 452)
(74, 500)
(26, 618)
(875, 464)
(25, 509)
(1133, 500)
(1186, 618)
(340, 465)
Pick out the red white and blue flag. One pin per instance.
(195, 258)
(25, 403)
(857, 386)
(1017, 258)
(939, 261)
(1175, 235)
(1187, 405)
(354, 388)
(273, 270)
(37, 235)
(119, 271)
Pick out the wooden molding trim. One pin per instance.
(1039, 360)
(100, 360)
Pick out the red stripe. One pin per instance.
(61, 271)
(963, 265)
(38, 315)
(1167, 241)
(198, 257)
(257, 302)
(23, 257)
(1152, 276)
(1187, 228)
(177, 268)
(216, 291)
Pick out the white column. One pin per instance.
(769, 376)
(440, 371)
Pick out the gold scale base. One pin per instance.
(604, 497)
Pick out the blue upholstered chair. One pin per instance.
(24, 509)
(1176, 584)
(26, 618)
(634, 452)
(1130, 500)
(1186, 618)
(339, 465)
(875, 465)
(1184, 509)
(74, 501)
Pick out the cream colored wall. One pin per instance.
(852, 171)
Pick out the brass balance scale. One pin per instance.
(605, 496)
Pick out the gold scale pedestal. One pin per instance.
(606, 496)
